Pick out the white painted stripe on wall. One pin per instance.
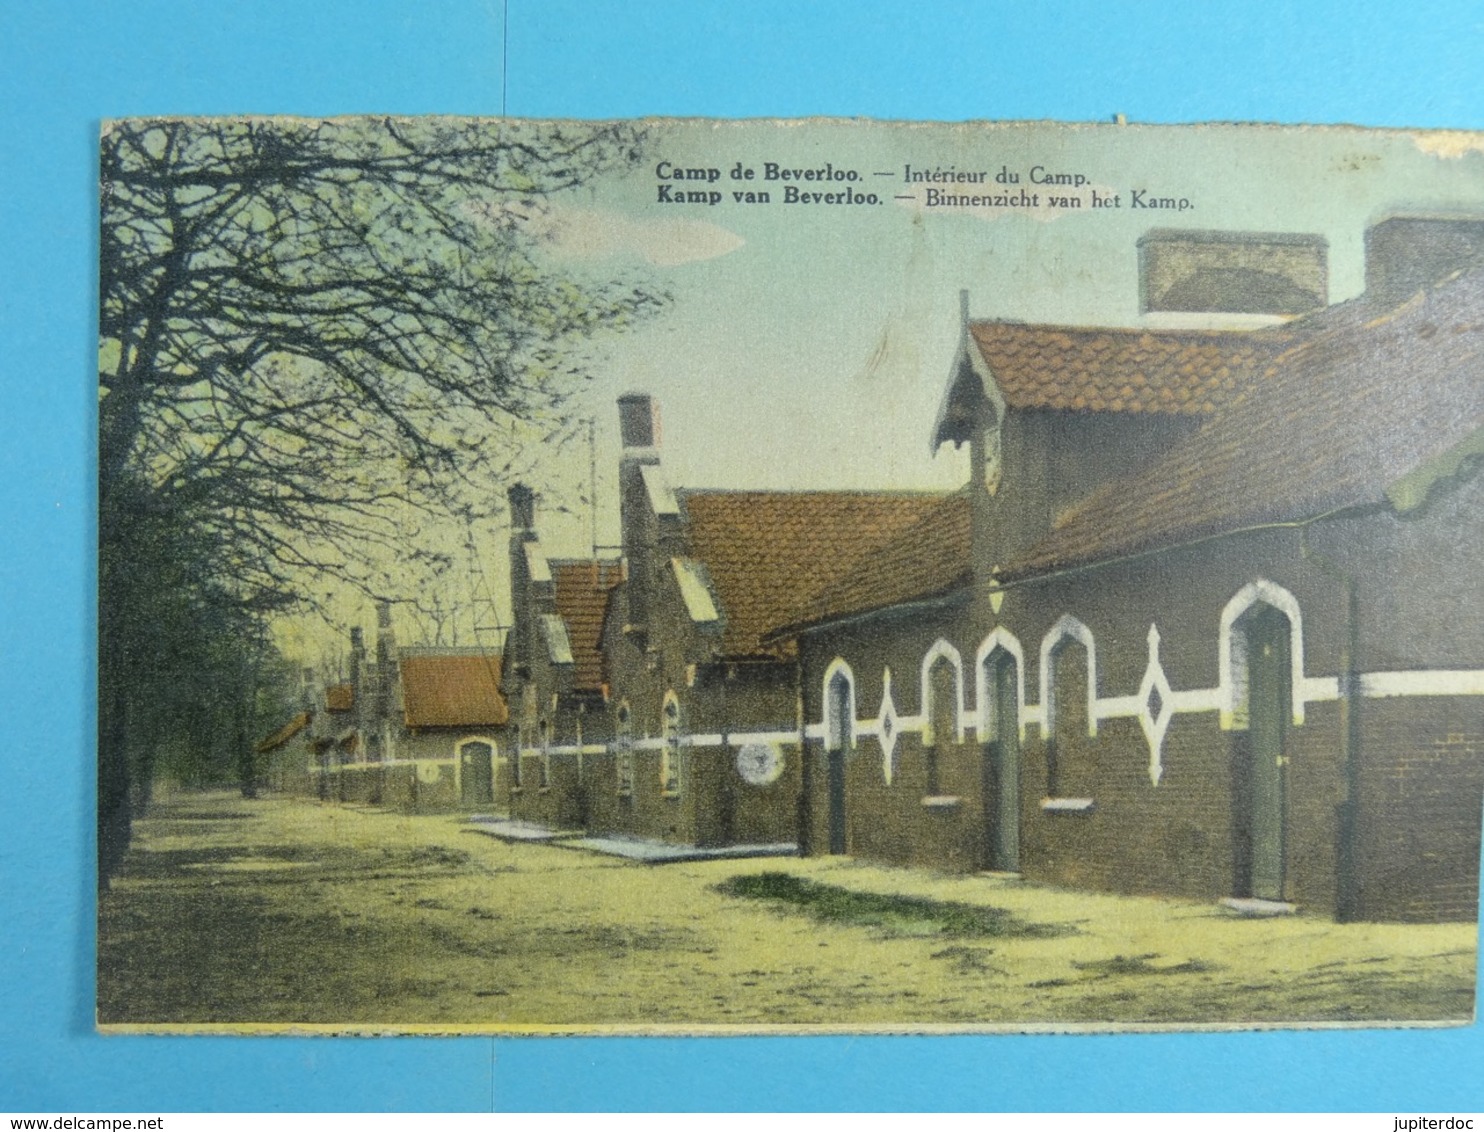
(1195, 699)
(1115, 707)
(1188, 701)
(1314, 689)
(739, 739)
(1319, 689)
(1441, 682)
(733, 739)
(900, 724)
(410, 762)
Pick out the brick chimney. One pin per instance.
(383, 693)
(357, 676)
(531, 589)
(639, 422)
(1404, 254)
(638, 470)
(522, 501)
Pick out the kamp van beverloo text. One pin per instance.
(937, 187)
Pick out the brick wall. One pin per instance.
(1422, 778)
(1419, 779)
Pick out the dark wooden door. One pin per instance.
(1002, 767)
(1269, 709)
(477, 774)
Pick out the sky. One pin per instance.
(808, 342)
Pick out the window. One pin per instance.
(942, 719)
(543, 768)
(623, 752)
(1071, 756)
(839, 710)
(670, 751)
(515, 758)
(992, 458)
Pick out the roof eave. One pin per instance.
(954, 591)
(1030, 571)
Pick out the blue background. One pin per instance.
(65, 65)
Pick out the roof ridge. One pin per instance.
(1274, 330)
(801, 492)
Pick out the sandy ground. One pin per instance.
(287, 912)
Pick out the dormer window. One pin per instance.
(991, 442)
(544, 766)
(623, 752)
(670, 752)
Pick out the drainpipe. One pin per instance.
(1347, 880)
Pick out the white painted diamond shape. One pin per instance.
(887, 727)
(1155, 707)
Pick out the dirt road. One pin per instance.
(287, 912)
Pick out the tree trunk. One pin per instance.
(114, 809)
(247, 761)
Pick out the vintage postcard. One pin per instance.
(695, 576)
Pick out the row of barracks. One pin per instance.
(1203, 621)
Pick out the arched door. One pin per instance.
(477, 773)
(1002, 763)
(1269, 708)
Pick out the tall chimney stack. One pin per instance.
(531, 592)
(522, 501)
(639, 421)
(386, 674)
(639, 429)
(1407, 253)
(357, 673)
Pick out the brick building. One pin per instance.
(1203, 622)
(416, 728)
(555, 675)
(648, 698)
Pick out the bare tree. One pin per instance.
(313, 332)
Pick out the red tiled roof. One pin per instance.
(284, 733)
(767, 552)
(453, 691)
(1118, 369)
(581, 595)
(340, 697)
(1331, 425)
(931, 558)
